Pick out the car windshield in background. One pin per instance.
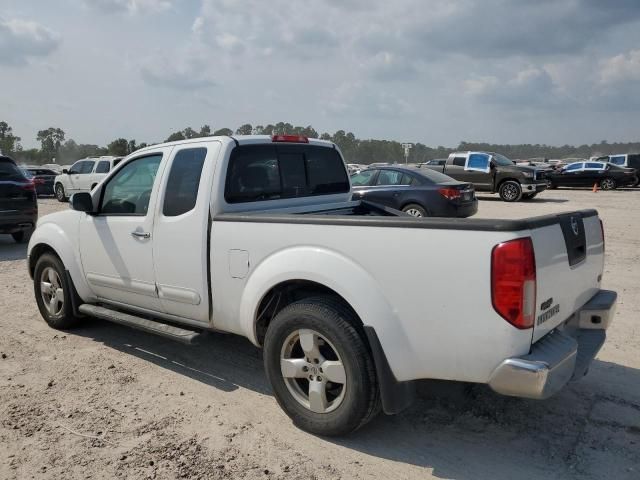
(502, 160)
(617, 160)
(269, 172)
(433, 177)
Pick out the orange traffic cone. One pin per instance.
(595, 187)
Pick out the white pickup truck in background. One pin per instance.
(352, 302)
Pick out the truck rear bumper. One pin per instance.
(562, 355)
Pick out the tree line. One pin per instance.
(55, 145)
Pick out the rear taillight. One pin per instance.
(513, 282)
(38, 181)
(289, 139)
(450, 193)
(602, 230)
(30, 186)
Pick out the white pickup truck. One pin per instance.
(352, 302)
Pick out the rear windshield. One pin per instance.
(270, 172)
(431, 176)
(9, 171)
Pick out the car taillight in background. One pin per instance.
(450, 193)
(513, 282)
(29, 186)
(289, 139)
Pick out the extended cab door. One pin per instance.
(180, 246)
(478, 171)
(116, 244)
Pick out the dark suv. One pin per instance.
(18, 201)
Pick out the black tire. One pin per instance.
(65, 318)
(415, 210)
(636, 182)
(510, 191)
(608, 184)
(60, 193)
(22, 236)
(529, 196)
(551, 185)
(335, 323)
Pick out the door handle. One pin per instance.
(135, 233)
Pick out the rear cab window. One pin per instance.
(271, 172)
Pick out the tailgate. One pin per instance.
(569, 264)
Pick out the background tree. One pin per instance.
(223, 132)
(119, 147)
(9, 143)
(50, 139)
(245, 129)
(205, 131)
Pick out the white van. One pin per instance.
(83, 175)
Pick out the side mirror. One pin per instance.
(82, 202)
(65, 171)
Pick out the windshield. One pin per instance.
(501, 160)
(617, 160)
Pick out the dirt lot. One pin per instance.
(108, 402)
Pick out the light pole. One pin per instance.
(407, 147)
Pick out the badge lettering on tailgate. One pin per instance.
(543, 317)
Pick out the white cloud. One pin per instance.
(21, 40)
(130, 6)
(530, 87)
(188, 70)
(621, 68)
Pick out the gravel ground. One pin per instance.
(104, 401)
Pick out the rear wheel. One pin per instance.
(53, 292)
(415, 210)
(510, 191)
(320, 368)
(608, 184)
(60, 195)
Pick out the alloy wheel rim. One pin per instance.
(59, 192)
(313, 371)
(607, 184)
(510, 192)
(414, 212)
(51, 291)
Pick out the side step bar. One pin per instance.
(162, 329)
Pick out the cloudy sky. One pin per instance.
(433, 71)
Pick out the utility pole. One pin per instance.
(407, 147)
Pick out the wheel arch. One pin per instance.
(310, 270)
(49, 238)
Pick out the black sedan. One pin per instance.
(416, 191)
(588, 174)
(43, 179)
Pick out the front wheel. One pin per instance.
(510, 191)
(415, 210)
(60, 195)
(608, 184)
(320, 368)
(53, 293)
